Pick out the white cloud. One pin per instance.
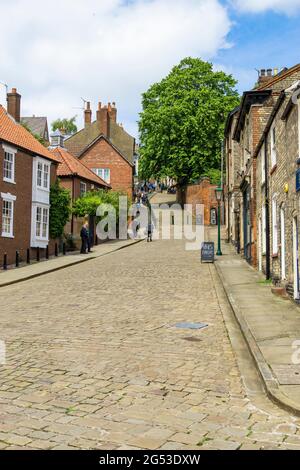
(108, 50)
(258, 6)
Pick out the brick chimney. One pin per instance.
(14, 104)
(266, 75)
(112, 110)
(87, 115)
(103, 118)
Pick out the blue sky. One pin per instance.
(260, 40)
(113, 50)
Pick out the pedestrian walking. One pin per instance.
(150, 232)
(84, 234)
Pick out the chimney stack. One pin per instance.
(103, 119)
(87, 115)
(113, 112)
(14, 104)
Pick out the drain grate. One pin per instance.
(191, 326)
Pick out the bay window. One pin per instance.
(43, 175)
(41, 222)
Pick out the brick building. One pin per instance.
(203, 193)
(232, 188)
(246, 128)
(106, 148)
(78, 179)
(27, 170)
(278, 193)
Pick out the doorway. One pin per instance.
(260, 244)
(247, 223)
(296, 258)
(213, 216)
(282, 239)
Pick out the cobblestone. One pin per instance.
(94, 360)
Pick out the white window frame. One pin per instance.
(82, 191)
(39, 234)
(274, 226)
(44, 170)
(273, 146)
(11, 151)
(7, 197)
(101, 173)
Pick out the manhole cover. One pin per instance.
(287, 374)
(191, 326)
(192, 339)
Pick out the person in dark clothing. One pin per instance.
(150, 232)
(84, 234)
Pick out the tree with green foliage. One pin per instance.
(90, 201)
(60, 209)
(68, 125)
(182, 122)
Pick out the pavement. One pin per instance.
(15, 275)
(270, 325)
(94, 360)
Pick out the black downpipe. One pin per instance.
(267, 202)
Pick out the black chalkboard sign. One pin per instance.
(208, 252)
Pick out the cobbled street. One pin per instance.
(94, 360)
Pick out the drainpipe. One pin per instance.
(267, 201)
(73, 199)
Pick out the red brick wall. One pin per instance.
(103, 155)
(67, 183)
(203, 193)
(22, 208)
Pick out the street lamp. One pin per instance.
(219, 195)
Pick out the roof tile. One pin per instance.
(15, 134)
(70, 166)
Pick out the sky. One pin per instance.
(113, 50)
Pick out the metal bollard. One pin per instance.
(47, 252)
(17, 259)
(5, 261)
(38, 254)
(56, 249)
(64, 248)
(28, 256)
